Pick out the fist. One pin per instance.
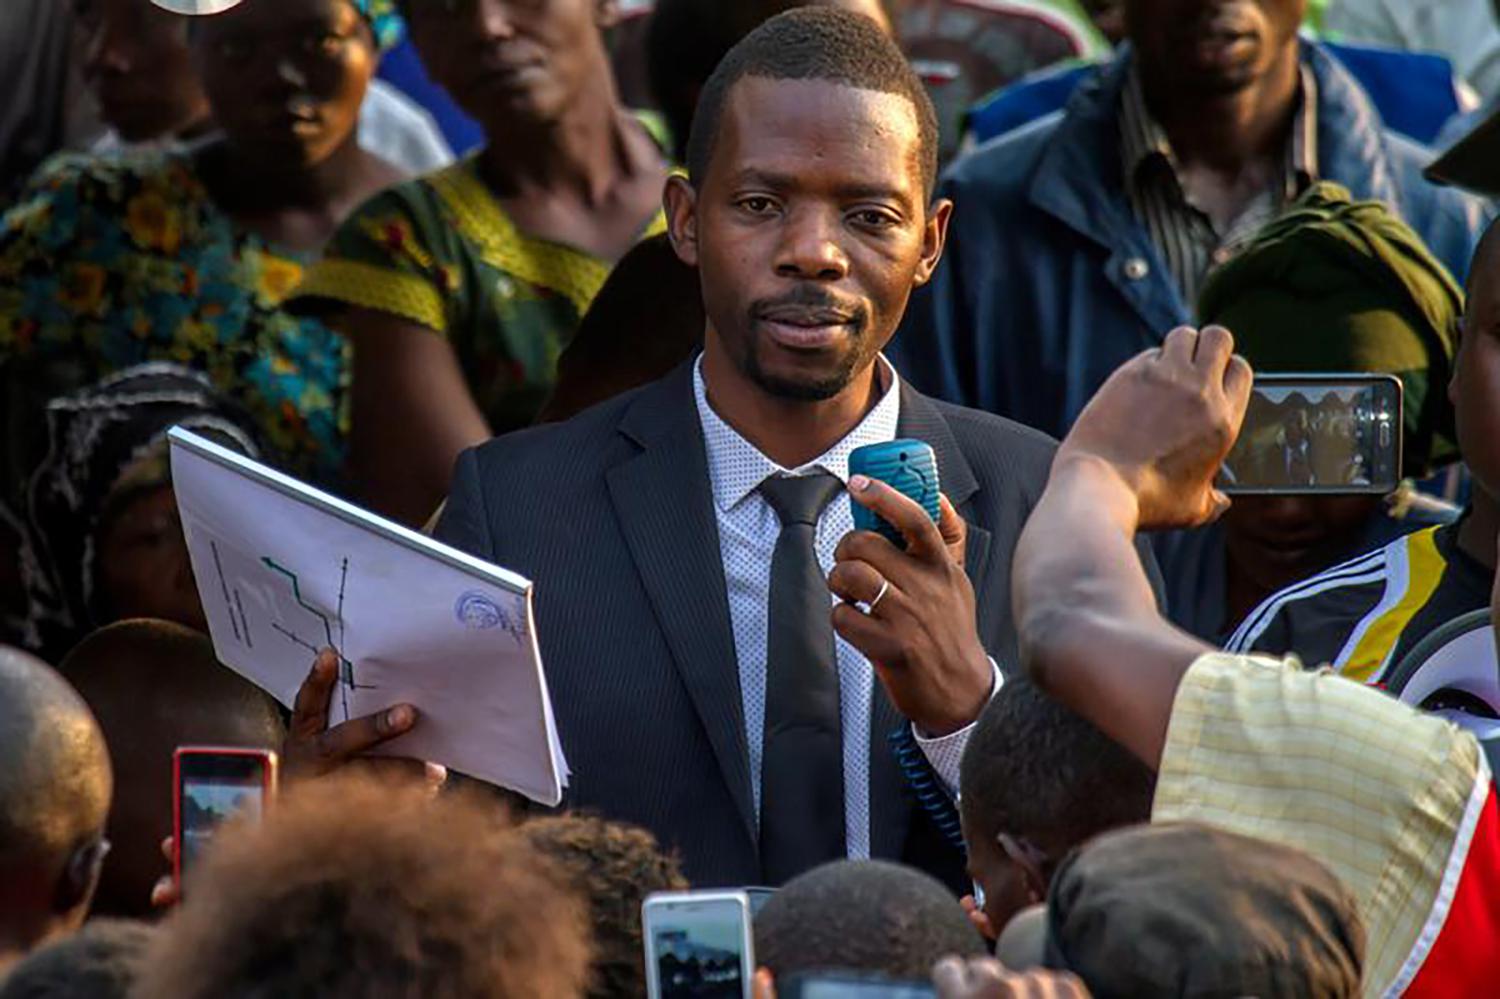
(1164, 422)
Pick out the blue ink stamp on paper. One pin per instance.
(477, 612)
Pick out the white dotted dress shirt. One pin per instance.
(748, 529)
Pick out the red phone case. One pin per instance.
(269, 768)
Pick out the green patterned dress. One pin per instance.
(440, 252)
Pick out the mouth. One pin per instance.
(508, 75)
(805, 327)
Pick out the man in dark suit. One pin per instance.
(684, 537)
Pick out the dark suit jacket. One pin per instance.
(612, 516)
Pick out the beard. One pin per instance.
(855, 355)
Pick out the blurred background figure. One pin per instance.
(100, 961)
(347, 891)
(154, 686)
(45, 109)
(459, 289)
(1462, 31)
(103, 537)
(1334, 285)
(646, 320)
(137, 60)
(55, 791)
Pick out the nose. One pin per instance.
(810, 248)
(288, 72)
(107, 49)
(494, 19)
(1287, 512)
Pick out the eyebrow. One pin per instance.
(846, 192)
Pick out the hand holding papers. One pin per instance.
(285, 570)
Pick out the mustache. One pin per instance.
(810, 305)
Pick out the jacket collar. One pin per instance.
(1079, 178)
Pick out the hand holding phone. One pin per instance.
(698, 945)
(211, 784)
(909, 467)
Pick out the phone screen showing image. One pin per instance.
(698, 948)
(1331, 435)
(213, 787)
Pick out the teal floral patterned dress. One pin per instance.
(110, 262)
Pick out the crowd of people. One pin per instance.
(608, 294)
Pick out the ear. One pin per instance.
(606, 13)
(934, 238)
(681, 202)
(80, 876)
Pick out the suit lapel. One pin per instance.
(664, 503)
(890, 803)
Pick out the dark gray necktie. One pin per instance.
(802, 763)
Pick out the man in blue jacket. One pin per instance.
(1077, 240)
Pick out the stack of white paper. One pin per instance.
(284, 570)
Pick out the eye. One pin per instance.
(757, 204)
(325, 44)
(874, 218)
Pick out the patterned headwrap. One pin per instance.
(384, 20)
(107, 444)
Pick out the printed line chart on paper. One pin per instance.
(285, 570)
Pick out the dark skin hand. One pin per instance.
(312, 749)
(921, 636)
(1143, 455)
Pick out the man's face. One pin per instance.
(1475, 389)
(503, 59)
(1211, 46)
(809, 230)
(136, 61)
(1278, 540)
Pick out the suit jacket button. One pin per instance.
(1136, 269)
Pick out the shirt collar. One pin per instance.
(1145, 144)
(736, 468)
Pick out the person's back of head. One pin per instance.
(100, 961)
(647, 319)
(352, 888)
(154, 686)
(54, 798)
(863, 916)
(613, 866)
(1037, 781)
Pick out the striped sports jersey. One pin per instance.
(1363, 616)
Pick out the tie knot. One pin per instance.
(799, 499)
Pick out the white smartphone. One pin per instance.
(698, 945)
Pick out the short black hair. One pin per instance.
(100, 961)
(814, 43)
(862, 915)
(1035, 769)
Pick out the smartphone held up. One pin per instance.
(209, 785)
(1318, 434)
(907, 466)
(698, 945)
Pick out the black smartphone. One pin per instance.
(211, 784)
(1332, 434)
(843, 985)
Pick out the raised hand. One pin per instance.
(1164, 423)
